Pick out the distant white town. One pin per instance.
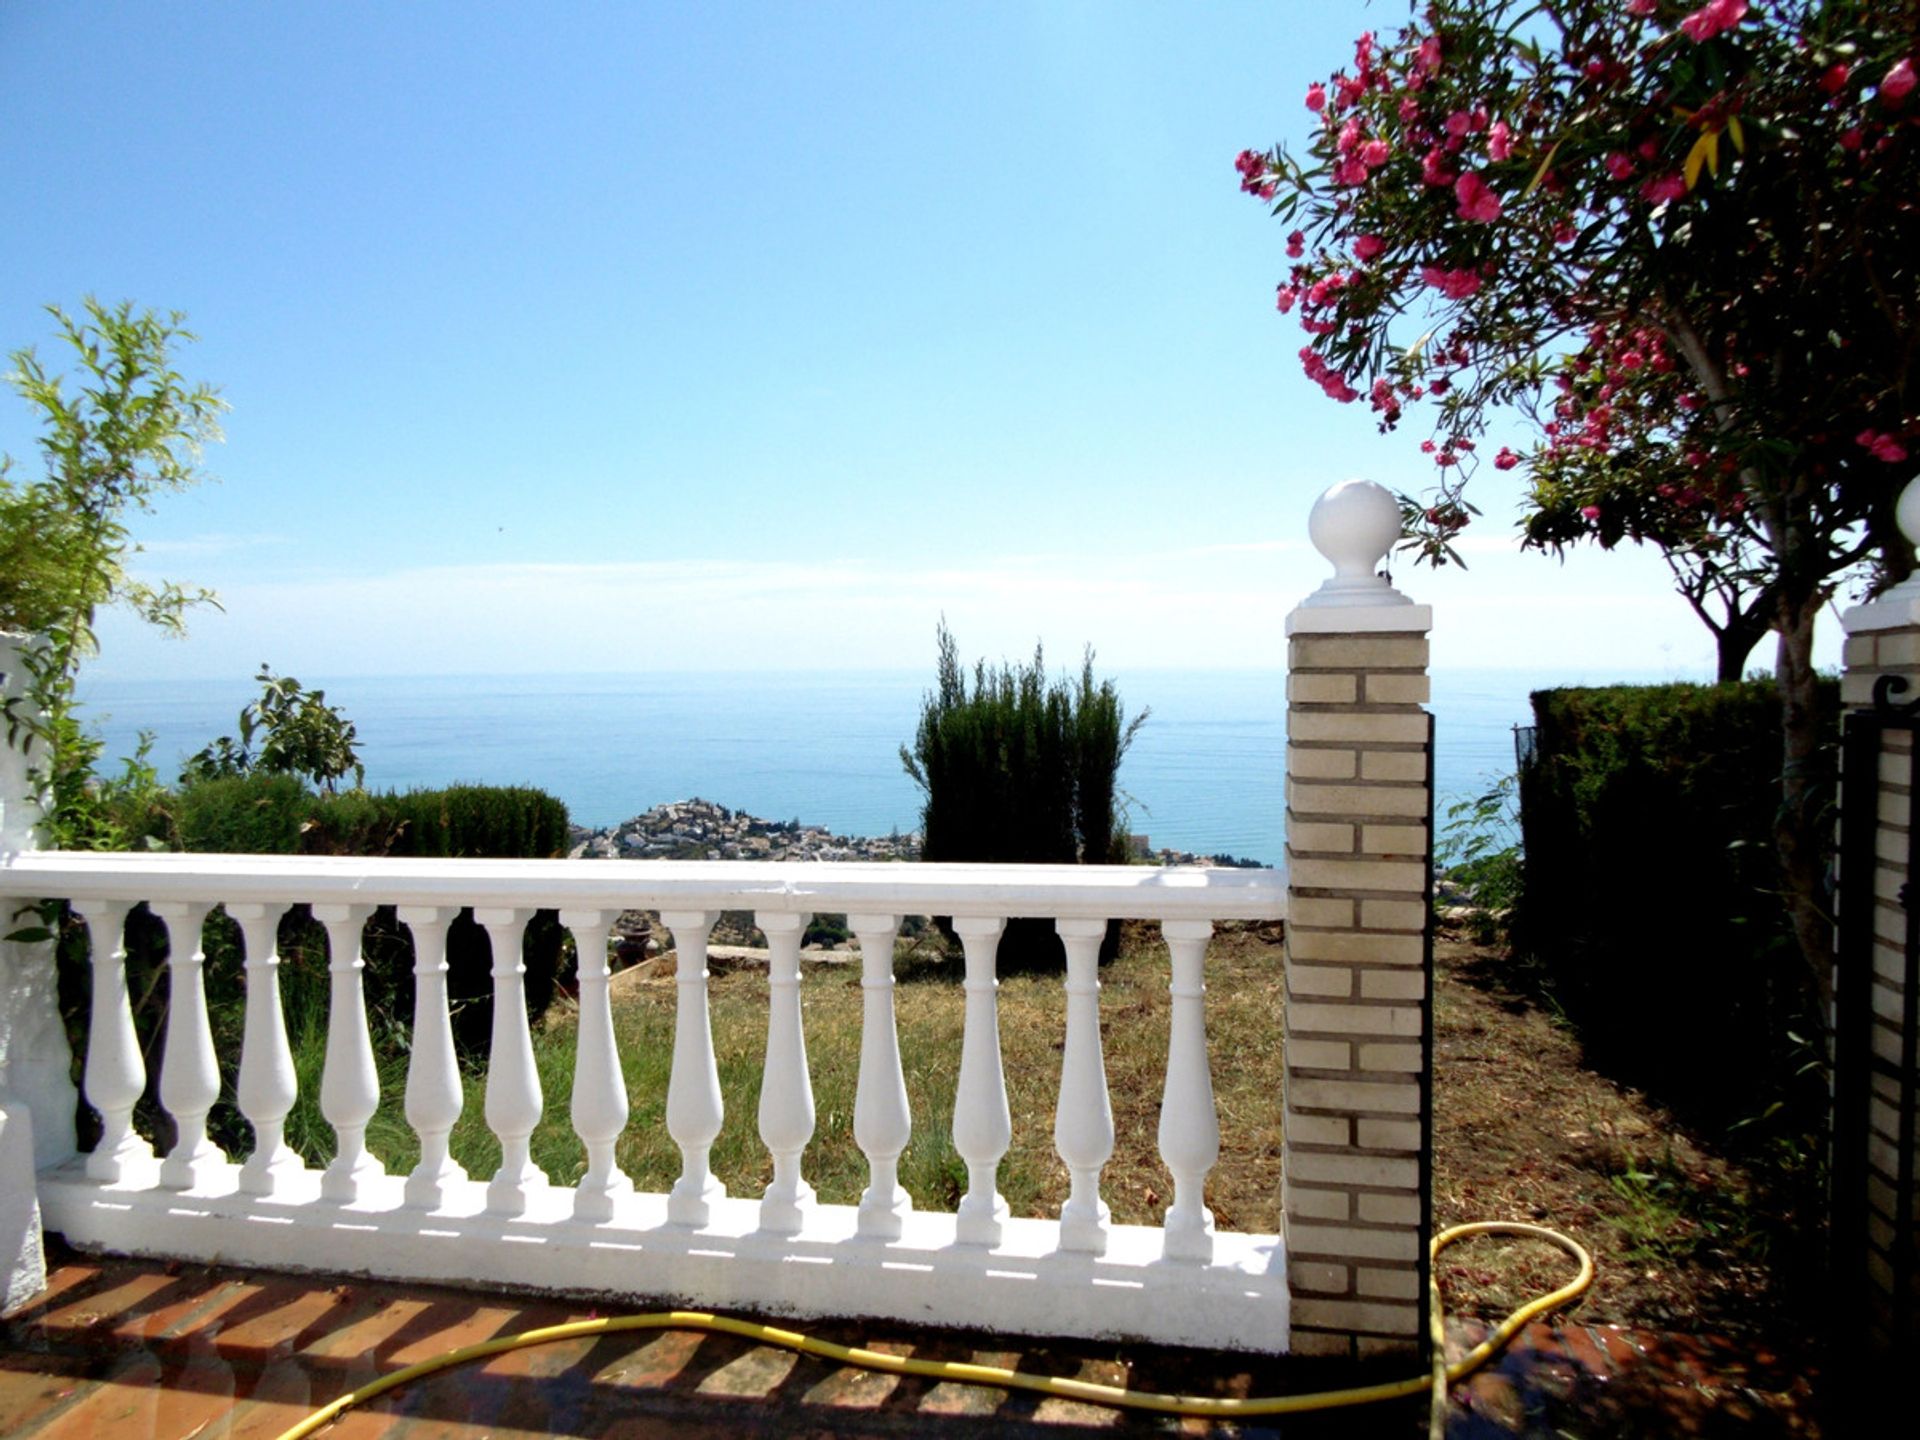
(701, 830)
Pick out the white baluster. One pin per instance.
(267, 1086)
(694, 1109)
(786, 1090)
(1189, 1128)
(1083, 1123)
(350, 1083)
(514, 1101)
(982, 1124)
(189, 1066)
(434, 1096)
(599, 1086)
(882, 1124)
(115, 1075)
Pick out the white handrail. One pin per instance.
(1092, 892)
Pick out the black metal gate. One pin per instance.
(1870, 1227)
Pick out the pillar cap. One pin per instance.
(1900, 606)
(1354, 524)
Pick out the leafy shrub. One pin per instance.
(1653, 896)
(1479, 849)
(300, 734)
(264, 813)
(1020, 770)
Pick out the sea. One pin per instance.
(1205, 772)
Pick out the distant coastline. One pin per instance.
(699, 829)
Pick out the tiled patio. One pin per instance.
(156, 1351)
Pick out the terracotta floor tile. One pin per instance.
(201, 1305)
(61, 1280)
(367, 1325)
(757, 1371)
(458, 1327)
(948, 1398)
(851, 1388)
(133, 1400)
(127, 1296)
(33, 1387)
(1057, 1410)
(540, 1361)
(282, 1317)
(662, 1359)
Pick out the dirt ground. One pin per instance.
(1683, 1238)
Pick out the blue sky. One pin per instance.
(621, 337)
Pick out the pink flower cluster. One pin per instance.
(1898, 82)
(1254, 178)
(1881, 446)
(1454, 284)
(1476, 199)
(1713, 18)
(1326, 377)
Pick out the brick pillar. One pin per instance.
(1357, 1136)
(1874, 1233)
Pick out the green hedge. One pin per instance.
(1652, 892)
(277, 814)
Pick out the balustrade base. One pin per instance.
(1025, 1285)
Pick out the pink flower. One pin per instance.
(1499, 141)
(1662, 189)
(1564, 233)
(1454, 284)
(1618, 165)
(1351, 171)
(1409, 109)
(1477, 201)
(1505, 460)
(1375, 153)
(1632, 360)
(1591, 512)
(1689, 402)
(1296, 245)
(1457, 122)
(1897, 83)
(1283, 300)
(1881, 446)
(1712, 18)
(1642, 8)
(1316, 97)
(1433, 168)
(1368, 247)
(1249, 163)
(1850, 139)
(1834, 78)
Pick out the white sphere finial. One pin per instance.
(1906, 513)
(1354, 525)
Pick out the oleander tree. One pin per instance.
(1677, 245)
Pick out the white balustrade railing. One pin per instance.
(782, 1250)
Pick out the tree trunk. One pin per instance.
(1734, 643)
(1797, 827)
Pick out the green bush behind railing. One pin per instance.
(268, 814)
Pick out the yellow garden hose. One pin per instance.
(1094, 1394)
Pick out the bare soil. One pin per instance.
(1684, 1237)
